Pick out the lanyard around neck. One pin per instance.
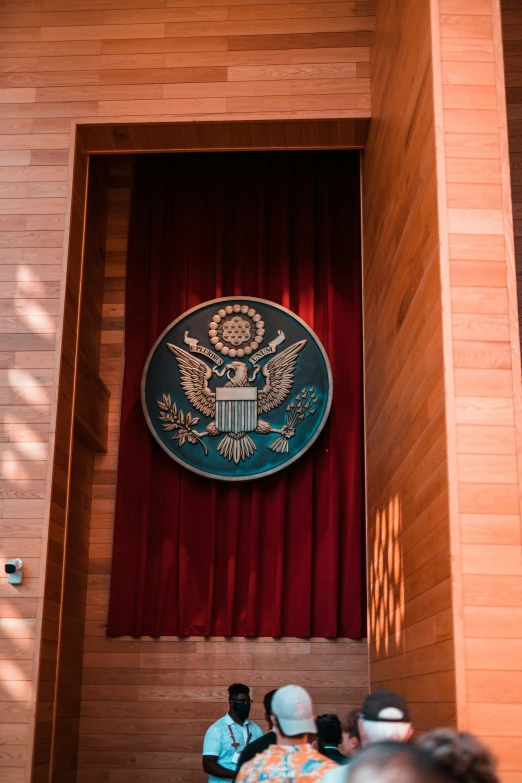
(238, 744)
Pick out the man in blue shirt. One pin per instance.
(264, 742)
(229, 735)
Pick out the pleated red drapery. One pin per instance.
(283, 555)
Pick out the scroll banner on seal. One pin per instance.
(270, 348)
(194, 347)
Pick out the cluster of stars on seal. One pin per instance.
(236, 330)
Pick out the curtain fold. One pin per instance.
(283, 555)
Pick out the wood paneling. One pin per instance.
(443, 396)
(67, 61)
(482, 358)
(123, 678)
(64, 600)
(240, 135)
(146, 703)
(443, 381)
(164, 61)
(512, 35)
(411, 626)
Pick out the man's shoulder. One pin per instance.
(313, 755)
(260, 759)
(274, 754)
(255, 747)
(313, 764)
(335, 755)
(256, 729)
(336, 774)
(271, 749)
(252, 765)
(217, 725)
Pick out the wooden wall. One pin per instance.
(146, 703)
(512, 39)
(483, 378)
(63, 61)
(409, 568)
(443, 387)
(123, 58)
(45, 580)
(444, 418)
(81, 416)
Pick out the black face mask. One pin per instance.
(242, 708)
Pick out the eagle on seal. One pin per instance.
(236, 406)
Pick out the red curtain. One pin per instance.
(280, 556)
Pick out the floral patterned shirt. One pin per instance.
(285, 763)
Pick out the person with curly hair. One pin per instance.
(459, 757)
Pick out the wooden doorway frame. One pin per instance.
(80, 405)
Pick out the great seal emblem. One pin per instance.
(237, 388)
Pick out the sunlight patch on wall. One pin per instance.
(386, 580)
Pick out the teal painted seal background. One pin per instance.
(161, 377)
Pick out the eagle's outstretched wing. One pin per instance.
(195, 376)
(279, 374)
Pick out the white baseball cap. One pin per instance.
(292, 706)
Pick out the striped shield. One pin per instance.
(236, 409)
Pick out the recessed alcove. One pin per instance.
(101, 680)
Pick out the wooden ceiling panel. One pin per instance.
(277, 134)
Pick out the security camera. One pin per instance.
(13, 569)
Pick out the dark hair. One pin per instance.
(267, 701)
(236, 688)
(399, 762)
(329, 729)
(294, 736)
(460, 757)
(350, 724)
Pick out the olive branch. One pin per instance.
(174, 420)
